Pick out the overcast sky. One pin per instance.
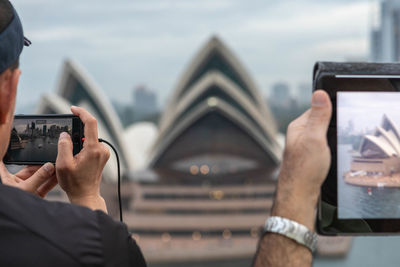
(366, 109)
(125, 43)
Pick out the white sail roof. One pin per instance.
(78, 88)
(214, 55)
(216, 81)
(213, 104)
(385, 142)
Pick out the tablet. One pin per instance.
(361, 194)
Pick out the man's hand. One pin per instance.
(36, 179)
(305, 164)
(80, 175)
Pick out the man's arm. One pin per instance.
(304, 167)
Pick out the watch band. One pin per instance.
(293, 230)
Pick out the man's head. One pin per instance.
(6, 15)
(10, 44)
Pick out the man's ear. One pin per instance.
(8, 93)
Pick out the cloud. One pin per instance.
(318, 17)
(348, 47)
(59, 33)
(127, 42)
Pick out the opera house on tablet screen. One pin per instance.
(377, 162)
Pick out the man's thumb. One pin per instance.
(65, 147)
(321, 111)
(39, 177)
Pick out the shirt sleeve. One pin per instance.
(118, 246)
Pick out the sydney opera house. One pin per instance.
(199, 185)
(379, 153)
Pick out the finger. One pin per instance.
(65, 155)
(90, 130)
(27, 171)
(4, 173)
(47, 186)
(320, 114)
(39, 177)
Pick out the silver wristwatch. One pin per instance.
(293, 230)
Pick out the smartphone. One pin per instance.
(34, 138)
(361, 194)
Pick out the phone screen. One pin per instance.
(368, 155)
(34, 139)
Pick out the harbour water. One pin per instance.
(355, 202)
(37, 149)
(364, 202)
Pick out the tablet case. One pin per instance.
(322, 69)
(324, 74)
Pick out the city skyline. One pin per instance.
(21, 124)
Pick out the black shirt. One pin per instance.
(36, 232)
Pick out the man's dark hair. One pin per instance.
(6, 15)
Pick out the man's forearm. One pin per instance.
(277, 250)
(305, 164)
(94, 203)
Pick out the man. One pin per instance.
(35, 232)
(305, 165)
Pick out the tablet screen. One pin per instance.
(368, 155)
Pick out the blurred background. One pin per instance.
(196, 96)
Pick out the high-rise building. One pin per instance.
(385, 38)
(303, 94)
(145, 101)
(280, 95)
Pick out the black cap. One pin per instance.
(12, 41)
